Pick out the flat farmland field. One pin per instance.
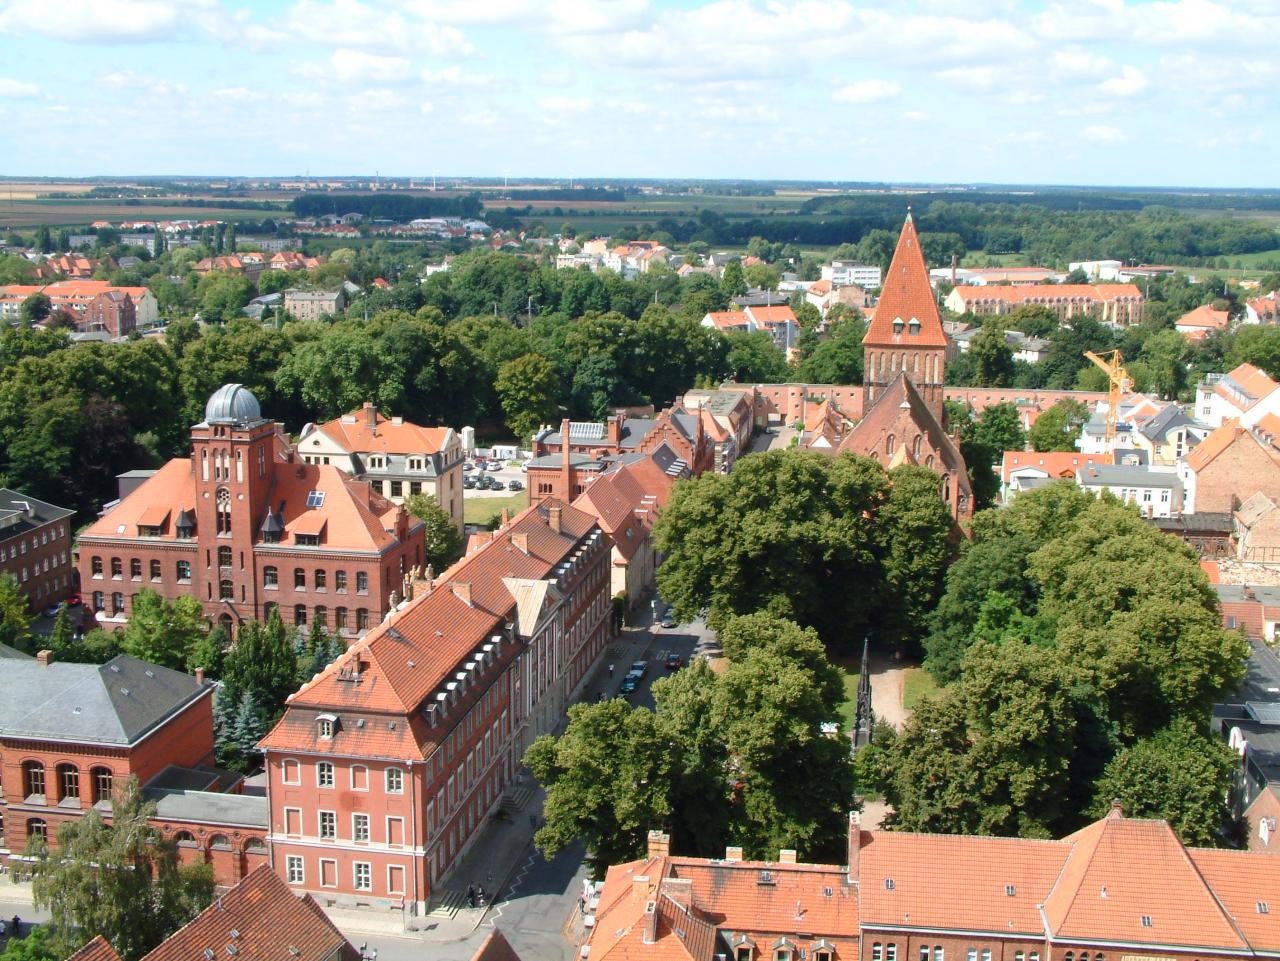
(70, 211)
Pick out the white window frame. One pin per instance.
(404, 876)
(356, 819)
(390, 820)
(333, 862)
(365, 769)
(398, 774)
(298, 811)
(355, 875)
(291, 862)
(320, 816)
(321, 768)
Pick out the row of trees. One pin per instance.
(1082, 650)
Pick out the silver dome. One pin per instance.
(232, 404)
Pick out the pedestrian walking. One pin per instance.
(471, 895)
(17, 926)
(480, 895)
(611, 671)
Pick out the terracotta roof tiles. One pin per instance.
(96, 950)
(906, 294)
(356, 435)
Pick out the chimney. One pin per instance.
(566, 465)
(955, 262)
(615, 429)
(855, 842)
(521, 542)
(787, 856)
(659, 844)
(651, 922)
(679, 890)
(44, 658)
(640, 887)
(462, 590)
(733, 854)
(1117, 809)
(370, 414)
(199, 675)
(553, 517)
(506, 518)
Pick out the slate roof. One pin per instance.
(118, 703)
(264, 921)
(20, 513)
(1171, 418)
(210, 807)
(1117, 475)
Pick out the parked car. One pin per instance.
(674, 661)
(51, 610)
(468, 483)
(524, 467)
(668, 622)
(629, 684)
(468, 466)
(514, 485)
(73, 600)
(495, 465)
(639, 668)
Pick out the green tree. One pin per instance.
(838, 358)
(761, 277)
(1058, 427)
(444, 541)
(15, 621)
(36, 946)
(732, 280)
(992, 357)
(1257, 345)
(250, 725)
(1179, 775)
(163, 632)
(753, 358)
(1165, 354)
(62, 636)
(35, 308)
(262, 660)
(529, 391)
(120, 879)
(607, 780)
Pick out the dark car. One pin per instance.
(51, 610)
(514, 486)
(629, 684)
(674, 661)
(468, 483)
(468, 466)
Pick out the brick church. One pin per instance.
(904, 353)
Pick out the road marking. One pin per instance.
(496, 911)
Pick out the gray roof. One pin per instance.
(20, 513)
(634, 431)
(1201, 521)
(1111, 475)
(210, 807)
(1262, 682)
(119, 702)
(12, 652)
(576, 461)
(1159, 425)
(232, 404)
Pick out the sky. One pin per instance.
(1133, 92)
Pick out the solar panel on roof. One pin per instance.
(1264, 712)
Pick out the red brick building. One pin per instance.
(244, 526)
(72, 734)
(385, 765)
(112, 312)
(1119, 889)
(35, 548)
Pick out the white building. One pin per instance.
(843, 273)
(1157, 491)
(1097, 270)
(1245, 394)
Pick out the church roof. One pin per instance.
(907, 295)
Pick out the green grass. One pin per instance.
(849, 666)
(482, 510)
(916, 683)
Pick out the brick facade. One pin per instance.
(35, 548)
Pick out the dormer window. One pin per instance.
(326, 725)
(897, 325)
(913, 327)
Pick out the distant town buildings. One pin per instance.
(314, 304)
(1117, 304)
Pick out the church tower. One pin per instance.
(906, 335)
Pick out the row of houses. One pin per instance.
(92, 305)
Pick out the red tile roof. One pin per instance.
(1048, 293)
(727, 319)
(96, 950)
(769, 316)
(1065, 463)
(270, 923)
(1252, 382)
(906, 294)
(496, 947)
(1215, 443)
(355, 434)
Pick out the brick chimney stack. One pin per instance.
(855, 842)
(566, 466)
(553, 517)
(44, 658)
(659, 844)
(370, 414)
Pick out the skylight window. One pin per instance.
(315, 499)
(1146, 920)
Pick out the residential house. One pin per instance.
(292, 260)
(1246, 394)
(1257, 530)
(251, 267)
(71, 734)
(246, 526)
(76, 296)
(1119, 305)
(902, 896)
(1198, 324)
(1262, 310)
(1227, 467)
(314, 304)
(386, 765)
(111, 312)
(779, 320)
(35, 548)
(727, 320)
(1022, 470)
(731, 411)
(1157, 492)
(1169, 435)
(396, 458)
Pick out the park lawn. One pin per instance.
(849, 667)
(916, 683)
(482, 510)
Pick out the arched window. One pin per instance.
(99, 601)
(322, 616)
(1069, 955)
(37, 830)
(300, 615)
(33, 781)
(224, 557)
(915, 446)
(224, 511)
(117, 603)
(946, 487)
(135, 568)
(290, 771)
(889, 444)
(185, 839)
(219, 842)
(362, 619)
(270, 577)
(340, 581)
(928, 461)
(95, 564)
(255, 846)
(155, 570)
(226, 590)
(102, 779)
(267, 609)
(68, 782)
(117, 567)
(320, 579)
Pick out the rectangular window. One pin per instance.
(395, 832)
(363, 872)
(415, 487)
(362, 582)
(360, 827)
(395, 879)
(293, 867)
(184, 570)
(328, 873)
(340, 581)
(324, 774)
(328, 825)
(397, 488)
(289, 771)
(359, 778)
(293, 822)
(395, 781)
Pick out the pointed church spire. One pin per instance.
(905, 296)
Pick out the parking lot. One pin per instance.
(505, 475)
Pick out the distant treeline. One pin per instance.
(386, 206)
(565, 193)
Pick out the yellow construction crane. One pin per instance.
(1112, 364)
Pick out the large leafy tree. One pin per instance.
(838, 358)
(120, 879)
(263, 660)
(529, 390)
(1058, 427)
(163, 632)
(992, 357)
(444, 541)
(15, 621)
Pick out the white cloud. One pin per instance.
(969, 78)
(1101, 133)
(98, 21)
(354, 23)
(564, 104)
(917, 116)
(17, 89)
(1128, 83)
(234, 93)
(128, 80)
(872, 90)
(356, 66)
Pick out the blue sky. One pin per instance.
(1167, 92)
